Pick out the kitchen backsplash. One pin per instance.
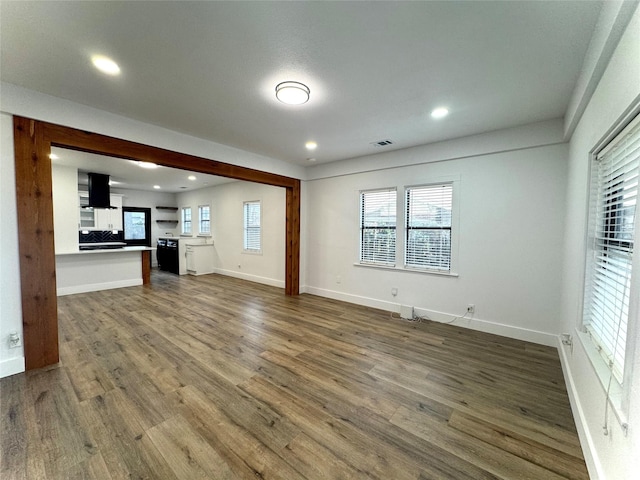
(100, 236)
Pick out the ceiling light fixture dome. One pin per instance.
(292, 93)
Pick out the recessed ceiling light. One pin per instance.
(311, 145)
(157, 187)
(147, 165)
(292, 93)
(53, 156)
(440, 112)
(191, 177)
(105, 65)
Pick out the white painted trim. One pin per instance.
(594, 466)
(252, 278)
(11, 366)
(94, 287)
(480, 325)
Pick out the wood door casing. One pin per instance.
(32, 145)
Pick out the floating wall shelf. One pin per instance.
(173, 209)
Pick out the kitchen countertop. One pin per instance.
(106, 250)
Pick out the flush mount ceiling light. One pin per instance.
(105, 65)
(311, 145)
(147, 165)
(157, 187)
(292, 93)
(440, 112)
(191, 177)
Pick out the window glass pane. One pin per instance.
(428, 233)
(204, 222)
(186, 220)
(134, 226)
(252, 240)
(378, 227)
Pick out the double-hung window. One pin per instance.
(378, 227)
(204, 220)
(428, 227)
(612, 215)
(186, 220)
(252, 227)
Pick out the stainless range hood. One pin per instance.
(99, 192)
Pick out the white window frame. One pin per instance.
(617, 386)
(434, 190)
(366, 256)
(246, 247)
(455, 181)
(204, 232)
(184, 223)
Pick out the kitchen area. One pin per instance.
(111, 238)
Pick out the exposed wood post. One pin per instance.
(36, 244)
(146, 267)
(292, 250)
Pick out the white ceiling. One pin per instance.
(375, 69)
(129, 175)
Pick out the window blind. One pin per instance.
(204, 219)
(612, 212)
(252, 237)
(378, 227)
(186, 220)
(428, 227)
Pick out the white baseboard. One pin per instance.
(480, 325)
(252, 278)
(94, 287)
(12, 366)
(586, 440)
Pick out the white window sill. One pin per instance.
(603, 373)
(405, 269)
(252, 252)
(207, 235)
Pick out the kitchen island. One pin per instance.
(79, 271)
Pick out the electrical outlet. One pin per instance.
(471, 308)
(394, 291)
(14, 340)
(338, 279)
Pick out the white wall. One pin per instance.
(11, 360)
(226, 202)
(613, 457)
(64, 184)
(510, 229)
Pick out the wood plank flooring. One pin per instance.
(217, 378)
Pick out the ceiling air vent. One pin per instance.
(382, 143)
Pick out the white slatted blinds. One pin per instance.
(378, 227)
(186, 220)
(252, 236)
(428, 227)
(612, 212)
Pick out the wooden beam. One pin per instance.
(33, 141)
(36, 244)
(104, 145)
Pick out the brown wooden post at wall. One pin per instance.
(36, 244)
(33, 140)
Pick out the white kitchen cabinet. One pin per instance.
(199, 258)
(101, 218)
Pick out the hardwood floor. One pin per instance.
(214, 377)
